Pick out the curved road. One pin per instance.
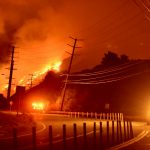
(57, 121)
(143, 144)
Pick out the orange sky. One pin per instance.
(40, 32)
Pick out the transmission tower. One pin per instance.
(31, 80)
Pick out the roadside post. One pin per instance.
(15, 140)
(75, 135)
(84, 137)
(50, 138)
(101, 136)
(64, 137)
(34, 138)
(94, 136)
(113, 133)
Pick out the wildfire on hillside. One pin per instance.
(37, 76)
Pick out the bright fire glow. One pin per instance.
(56, 66)
(37, 76)
(38, 106)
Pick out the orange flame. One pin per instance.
(37, 76)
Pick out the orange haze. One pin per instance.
(40, 29)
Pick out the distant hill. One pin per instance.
(125, 87)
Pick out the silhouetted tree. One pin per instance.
(110, 59)
(124, 58)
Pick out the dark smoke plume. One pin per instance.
(17, 16)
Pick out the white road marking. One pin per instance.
(23, 135)
(127, 143)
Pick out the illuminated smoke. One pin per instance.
(40, 31)
(23, 21)
(28, 23)
(29, 26)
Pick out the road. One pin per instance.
(143, 144)
(42, 138)
(57, 122)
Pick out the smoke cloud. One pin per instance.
(103, 25)
(25, 21)
(40, 29)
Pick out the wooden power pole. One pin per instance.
(11, 73)
(68, 72)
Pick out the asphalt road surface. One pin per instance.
(25, 142)
(143, 144)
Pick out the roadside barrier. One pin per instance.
(50, 138)
(101, 116)
(101, 136)
(75, 135)
(15, 139)
(84, 137)
(64, 137)
(94, 136)
(104, 134)
(34, 138)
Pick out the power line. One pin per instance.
(120, 72)
(109, 70)
(112, 31)
(99, 21)
(109, 77)
(143, 8)
(31, 80)
(109, 80)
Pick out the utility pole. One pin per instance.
(68, 72)
(31, 79)
(11, 74)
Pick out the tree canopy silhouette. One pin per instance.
(111, 58)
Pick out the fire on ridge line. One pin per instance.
(36, 75)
